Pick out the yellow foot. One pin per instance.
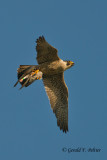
(38, 78)
(35, 72)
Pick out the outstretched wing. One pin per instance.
(57, 92)
(45, 52)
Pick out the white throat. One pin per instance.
(63, 64)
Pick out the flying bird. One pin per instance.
(50, 69)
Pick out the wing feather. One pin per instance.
(57, 92)
(45, 52)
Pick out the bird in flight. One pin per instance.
(50, 69)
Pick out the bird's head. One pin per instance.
(69, 64)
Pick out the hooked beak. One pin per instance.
(72, 63)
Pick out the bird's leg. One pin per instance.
(37, 74)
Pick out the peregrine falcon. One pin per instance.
(50, 69)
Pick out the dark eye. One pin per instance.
(68, 63)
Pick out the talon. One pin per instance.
(35, 72)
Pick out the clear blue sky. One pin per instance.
(78, 29)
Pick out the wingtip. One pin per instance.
(62, 127)
(41, 38)
(65, 130)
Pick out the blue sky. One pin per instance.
(78, 29)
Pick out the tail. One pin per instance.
(25, 76)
